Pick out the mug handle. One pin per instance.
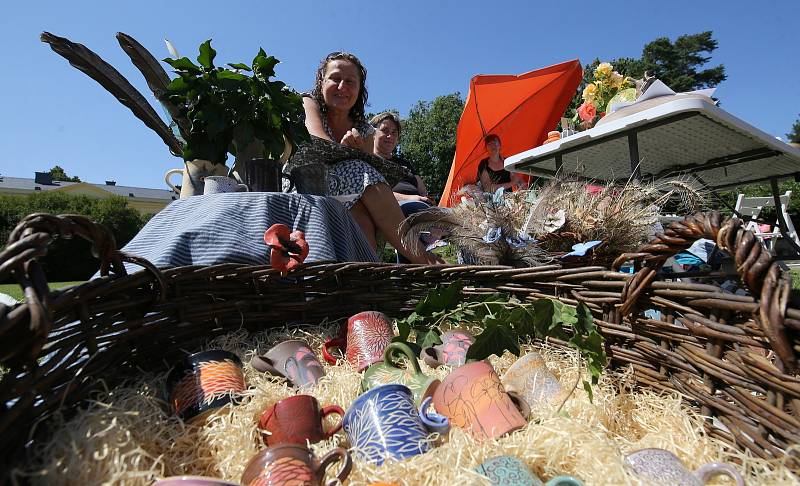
(563, 481)
(333, 409)
(521, 404)
(708, 471)
(433, 421)
(167, 176)
(242, 188)
(336, 455)
(336, 343)
(402, 349)
(430, 356)
(264, 365)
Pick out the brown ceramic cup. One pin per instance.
(297, 419)
(473, 398)
(293, 464)
(368, 334)
(293, 360)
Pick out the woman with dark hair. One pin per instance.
(492, 174)
(335, 111)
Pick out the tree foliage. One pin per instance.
(428, 138)
(794, 135)
(677, 64)
(69, 260)
(59, 174)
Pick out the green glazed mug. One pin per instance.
(389, 372)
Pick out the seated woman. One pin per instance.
(492, 174)
(411, 191)
(335, 111)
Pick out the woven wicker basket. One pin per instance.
(733, 357)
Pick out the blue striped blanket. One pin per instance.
(229, 227)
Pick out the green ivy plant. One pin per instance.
(506, 321)
(230, 108)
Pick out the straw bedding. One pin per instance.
(127, 436)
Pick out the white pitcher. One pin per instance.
(193, 176)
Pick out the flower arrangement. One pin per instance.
(597, 94)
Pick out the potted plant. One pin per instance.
(236, 109)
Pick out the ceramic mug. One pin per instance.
(192, 481)
(659, 466)
(452, 351)
(510, 471)
(203, 382)
(421, 385)
(473, 398)
(384, 423)
(293, 360)
(530, 377)
(293, 464)
(220, 184)
(193, 176)
(297, 419)
(368, 334)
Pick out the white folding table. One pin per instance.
(682, 136)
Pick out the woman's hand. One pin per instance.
(354, 139)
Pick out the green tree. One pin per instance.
(428, 138)
(59, 174)
(677, 64)
(68, 260)
(794, 135)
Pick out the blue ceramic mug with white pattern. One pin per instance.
(384, 423)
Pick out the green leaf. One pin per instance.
(177, 85)
(183, 64)
(441, 298)
(522, 319)
(550, 316)
(207, 54)
(264, 66)
(584, 322)
(232, 76)
(495, 339)
(239, 65)
(588, 388)
(429, 338)
(404, 329)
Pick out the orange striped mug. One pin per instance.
(203, 382)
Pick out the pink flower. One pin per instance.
(587, 111)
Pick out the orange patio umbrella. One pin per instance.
(520, 109)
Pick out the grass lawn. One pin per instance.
(15, 290)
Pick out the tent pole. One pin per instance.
(773, 182)
(633, 149)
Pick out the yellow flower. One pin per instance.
(617, 80)
(589, 92)
(603, 69)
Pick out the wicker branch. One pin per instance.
(757, 266)
(20, 341)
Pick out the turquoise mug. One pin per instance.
(510, 471)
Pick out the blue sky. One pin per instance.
(54, 114)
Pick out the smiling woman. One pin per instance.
(335, 111)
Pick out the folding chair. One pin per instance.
(749, 207)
